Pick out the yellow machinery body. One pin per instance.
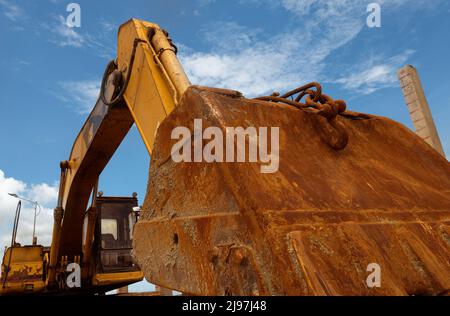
(25, 269)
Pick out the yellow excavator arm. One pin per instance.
(142, 86)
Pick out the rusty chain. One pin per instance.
(318, 103)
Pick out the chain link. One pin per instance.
(310, 98)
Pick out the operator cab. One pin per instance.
(114, 233)
(112, 265)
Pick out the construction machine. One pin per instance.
(349, 196)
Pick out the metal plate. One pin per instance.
(385, 197)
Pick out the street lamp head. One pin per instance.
(22, 198)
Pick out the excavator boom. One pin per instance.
(142, 87)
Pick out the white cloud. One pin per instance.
(8, 185)
(252, 71)
(81, 95)
(59, 33)
(301, 7)
(108, 26)
(11, 11)
(43, 192)
(376, 74)
(249, 60)
(66, 35)
(46, 196)
(203, 3)
(15, 64)
(325, 8)
(227, 36)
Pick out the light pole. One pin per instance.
(36, 206)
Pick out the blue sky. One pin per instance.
(50, 73)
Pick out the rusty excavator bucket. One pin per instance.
(344, 195)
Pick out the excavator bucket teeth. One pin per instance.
(369, 219)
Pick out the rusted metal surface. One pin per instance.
(309, 229)
(315, 101)
(320, 104)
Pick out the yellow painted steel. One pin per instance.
(156, 84)
(25, 270)
(103, 279)
(157, 81)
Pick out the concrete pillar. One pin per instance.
(418, 107)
